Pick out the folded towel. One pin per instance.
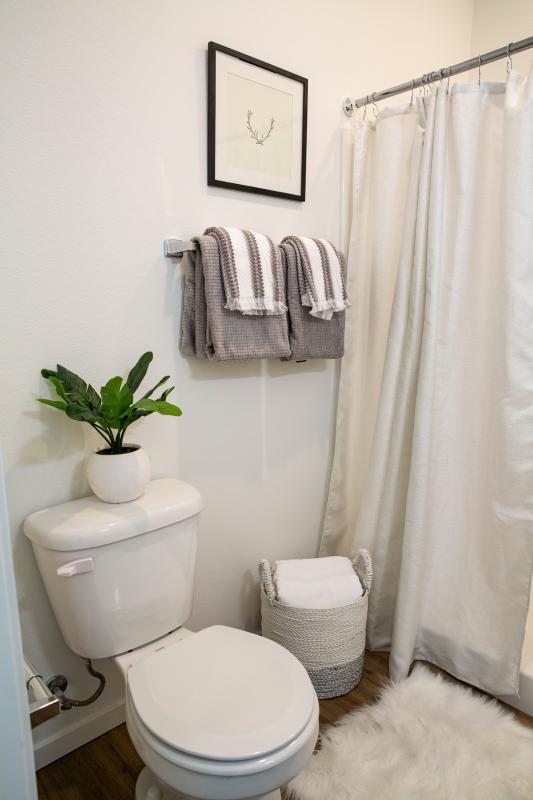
(322, 267)
(208, 330)
(309, 337)
(252, 271)
(329, 591)
(313, 567)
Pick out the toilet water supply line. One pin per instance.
(58, 683)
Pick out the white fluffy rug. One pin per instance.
(426, 739)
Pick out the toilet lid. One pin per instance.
(222, 694)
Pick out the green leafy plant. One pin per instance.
(112, 411)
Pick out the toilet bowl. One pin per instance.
(217, 715)
(220, 715)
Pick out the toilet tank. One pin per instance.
(119, 575)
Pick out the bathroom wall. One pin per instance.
(495, 24)
(104, 156)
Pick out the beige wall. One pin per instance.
(496, 23)
(104, 157)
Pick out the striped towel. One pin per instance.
(322, 270)
(251, 270)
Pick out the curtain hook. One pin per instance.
(366, 106)
(479, 70)
(509, 59)
(449, 76)
(412, 92)
(376, 109)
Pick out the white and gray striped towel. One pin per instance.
(251, 270)
(322, 269)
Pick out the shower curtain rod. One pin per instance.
(446, 72)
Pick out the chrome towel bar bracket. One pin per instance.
(175, 248)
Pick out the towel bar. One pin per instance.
(175, 248)
(43, 705)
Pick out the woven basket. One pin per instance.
(329, 642)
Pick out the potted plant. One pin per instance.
(118, 472)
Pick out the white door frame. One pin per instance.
(17, 769)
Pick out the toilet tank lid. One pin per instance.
(89, 522)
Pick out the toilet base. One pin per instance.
(148, 787)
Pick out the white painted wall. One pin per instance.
(496, 23)
(104, 156)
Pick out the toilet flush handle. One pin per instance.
(77, 567)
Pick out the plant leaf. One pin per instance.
(138, 372)
(133, 415)
(93, 398)
(58, 386)
(166, 393)
(159, 407)
(72, 383)
(116, 400)
(158, 384)
(54, 403)
(82, 413)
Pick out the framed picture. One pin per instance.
(256, 127)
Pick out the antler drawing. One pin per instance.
(259, 138)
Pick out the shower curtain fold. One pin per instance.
(433, 464)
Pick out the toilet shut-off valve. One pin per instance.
(58, 683)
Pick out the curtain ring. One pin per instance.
(479, 71)
(376, 109)
(509, 59)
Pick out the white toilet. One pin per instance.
(218, 715)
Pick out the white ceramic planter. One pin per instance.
(118, 478)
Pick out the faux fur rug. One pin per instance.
(426, 739)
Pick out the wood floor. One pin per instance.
(107, 768)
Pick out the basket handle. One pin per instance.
(265, 576)
(363, 566)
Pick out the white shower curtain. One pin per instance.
(433, 465)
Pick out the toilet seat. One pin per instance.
(215, 767)
(222, 695)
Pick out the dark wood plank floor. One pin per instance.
(107, 768)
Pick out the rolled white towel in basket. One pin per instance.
(313, 567)
(328, 591)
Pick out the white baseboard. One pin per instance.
(78, 734)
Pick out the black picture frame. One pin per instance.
(212, 180)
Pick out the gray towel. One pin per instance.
(208, 330)
(310, 337)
